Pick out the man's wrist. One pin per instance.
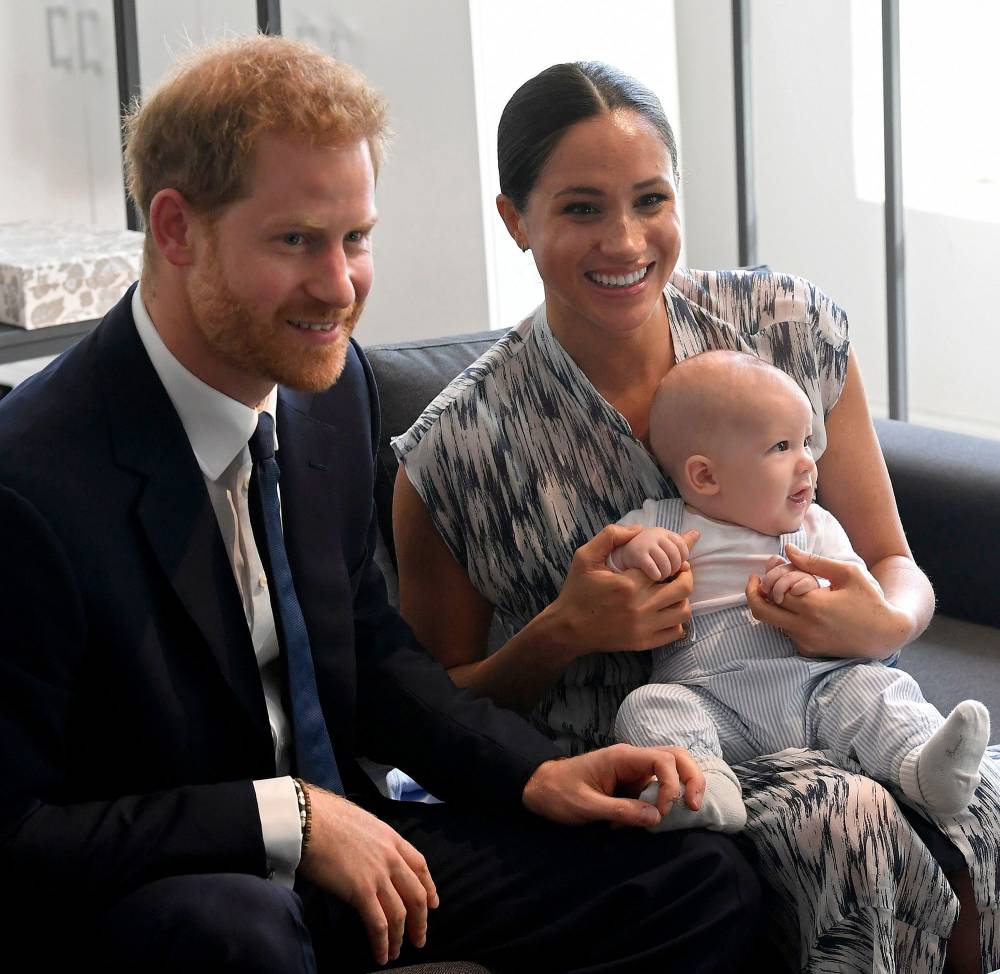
(532, 787)
(305, 812)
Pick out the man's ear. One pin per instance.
(700, 475)
(171, 221)
(512, 220)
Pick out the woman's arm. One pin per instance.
(597, 610)
(851, 618)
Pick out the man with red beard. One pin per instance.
(192, 662)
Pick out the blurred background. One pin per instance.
(443, 260)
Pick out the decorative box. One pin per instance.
(52, 273)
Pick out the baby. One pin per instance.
(734, 434)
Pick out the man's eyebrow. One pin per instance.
(314, 226)
(294, 220)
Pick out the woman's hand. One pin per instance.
(855, 489)
(851, 618)
(599, 610)
(596, 610)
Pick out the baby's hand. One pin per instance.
(781, 579)
(656, 552)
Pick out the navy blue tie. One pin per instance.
(314, 758)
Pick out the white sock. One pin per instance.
(722, 808)
(943, 774)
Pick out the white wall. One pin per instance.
(167, 29)
(708, 156)
(61, 158)
(430, 270)
(953, 322)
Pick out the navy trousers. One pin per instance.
(517, 894)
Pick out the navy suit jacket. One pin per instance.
(132, 717)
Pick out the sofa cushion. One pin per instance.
(409, 375)
(956, 660)
(947, 486)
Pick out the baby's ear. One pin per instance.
(700, 475)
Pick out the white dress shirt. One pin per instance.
(218, 429)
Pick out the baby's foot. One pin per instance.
(943, 774)
(722, 808)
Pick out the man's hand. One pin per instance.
(601, 786)
(368, 865)
(656, 552)
(782, 578)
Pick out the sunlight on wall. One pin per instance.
(949, 82)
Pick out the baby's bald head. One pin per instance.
(709, 401)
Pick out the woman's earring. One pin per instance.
(522, 245)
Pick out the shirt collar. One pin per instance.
(217, 426)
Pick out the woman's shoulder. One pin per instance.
(756, 300)
(489, 376)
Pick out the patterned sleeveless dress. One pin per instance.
(520, 461)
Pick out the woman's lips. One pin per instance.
(619, 280)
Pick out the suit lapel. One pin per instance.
(173, 507)
(311, 458)
(310, 510)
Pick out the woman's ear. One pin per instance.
(512, 221)
(700, 475)
(170, 222)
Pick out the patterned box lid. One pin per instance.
(54, 272)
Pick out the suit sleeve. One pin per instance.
(96, 849)
(459, 747)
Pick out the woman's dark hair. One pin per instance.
(544, 107)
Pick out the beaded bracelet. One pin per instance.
(305, 811)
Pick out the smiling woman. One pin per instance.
(513, 478)
(601, 222)
(594, 198)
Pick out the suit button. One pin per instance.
(262, 580)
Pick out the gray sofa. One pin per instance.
(947, 486)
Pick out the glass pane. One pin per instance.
(950, 77)
(813, 220)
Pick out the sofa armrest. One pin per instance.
(947, 486)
